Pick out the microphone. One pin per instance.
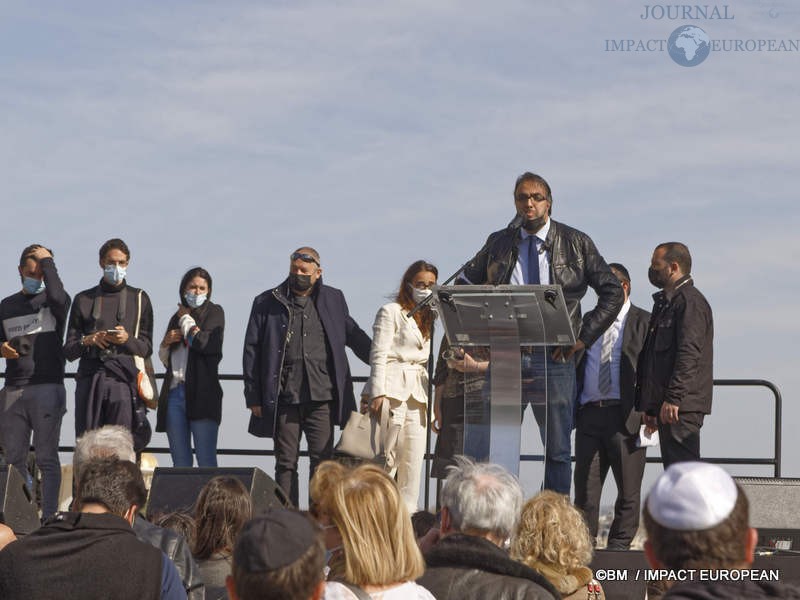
(516, 223)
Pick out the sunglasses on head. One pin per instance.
(305, 257)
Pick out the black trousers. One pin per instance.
(680, 442)
(602, 442)
(313, 419)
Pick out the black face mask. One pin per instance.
(657, 278)
(534, 225)
(300, 283)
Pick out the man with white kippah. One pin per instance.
(696, 518)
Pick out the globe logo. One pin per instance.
(689, 45)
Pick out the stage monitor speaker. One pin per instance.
(17, 508)
(176, 489)
(621, 573)
(774, 510)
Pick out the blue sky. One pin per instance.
(227, 134)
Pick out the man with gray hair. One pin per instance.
(116, 441)
(481, 504)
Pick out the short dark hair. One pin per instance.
(28, 253)
(622, 274)
(295, 581)
(677, 252)
(538, 179)
(191, 274)
(115, 244)
(422, 521)
(116, 484)
(720, 547)
(179, 522)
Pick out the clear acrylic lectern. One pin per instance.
(504, 318)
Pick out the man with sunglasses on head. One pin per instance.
(296, 375)
(533, 250)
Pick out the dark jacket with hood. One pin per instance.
(465, 567)
(265, 346)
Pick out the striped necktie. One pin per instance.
(604, 380)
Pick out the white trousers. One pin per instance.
(404, 456)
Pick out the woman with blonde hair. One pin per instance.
(381, 556)
(552, 538)
(327, 474)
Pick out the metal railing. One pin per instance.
(774, 461)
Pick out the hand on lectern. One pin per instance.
(563, 354)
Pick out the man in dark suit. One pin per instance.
(296, 375)
(608, 426)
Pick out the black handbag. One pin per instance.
(140, 427)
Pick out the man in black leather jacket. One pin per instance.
(543, 251)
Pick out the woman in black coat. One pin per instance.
(190, 404)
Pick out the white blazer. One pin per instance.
(398, 358)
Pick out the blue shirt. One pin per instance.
(517, 277)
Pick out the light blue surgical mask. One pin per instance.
(114, 274)
(32, 286)
(330, 553)
(195, 300)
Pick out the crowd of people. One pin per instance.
(358, 540)
(628, 375)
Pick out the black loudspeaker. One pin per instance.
(176, 489)
(621, 573)
(17, 509)
(625, 575)
(774, 510)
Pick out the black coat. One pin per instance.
(203, 390)
(465, 567)
(265, 344)
(731, 590)
(676, 363)
(575, 265)
(633, 336)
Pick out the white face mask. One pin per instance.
(419, 295)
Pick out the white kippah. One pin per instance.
(690, 496)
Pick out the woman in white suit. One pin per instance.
(399, 376)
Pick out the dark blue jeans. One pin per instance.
(553, 407)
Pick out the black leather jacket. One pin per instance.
(177, 550)
(575, 265)
(464, 567)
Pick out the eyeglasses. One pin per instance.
(304, 257)
(421, 285)
(534, 197)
